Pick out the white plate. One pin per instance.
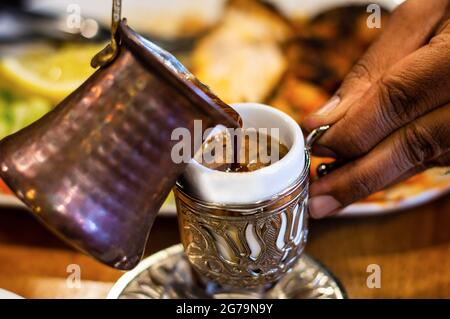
(366, 209)
(5, 294)
(10, 201)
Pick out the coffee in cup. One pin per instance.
(240, 151)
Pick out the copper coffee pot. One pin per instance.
(97, 168)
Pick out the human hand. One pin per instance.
(391, 116)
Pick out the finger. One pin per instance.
(411, 88)
(417, 146)
(410, 27)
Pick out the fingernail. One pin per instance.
(329, 106)
(323, 205)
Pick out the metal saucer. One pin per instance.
(167, 275)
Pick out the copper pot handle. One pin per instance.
(109, 53)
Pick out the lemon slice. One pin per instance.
(52, 73)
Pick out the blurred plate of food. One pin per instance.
(415, 191)
(244, 50)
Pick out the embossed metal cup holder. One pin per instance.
(248, 245)
(245, 246)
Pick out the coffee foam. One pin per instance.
(249, 187)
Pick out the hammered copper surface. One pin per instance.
(97, 168)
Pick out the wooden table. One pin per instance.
(412, 248)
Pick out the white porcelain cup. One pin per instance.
(224, 188)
